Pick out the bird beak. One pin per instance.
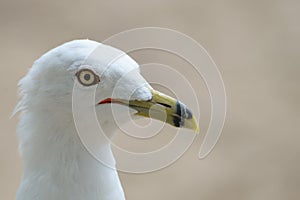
(163, 108)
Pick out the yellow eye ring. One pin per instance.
(87, 77)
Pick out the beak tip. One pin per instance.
(197, 130)
(195, 125)
(192, 124)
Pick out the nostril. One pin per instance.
(164, 104)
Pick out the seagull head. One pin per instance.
(82, 77)
(102, 73)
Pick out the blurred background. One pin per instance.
(256, 47)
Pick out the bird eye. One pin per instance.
(87, 77)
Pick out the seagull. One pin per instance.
(57, 166)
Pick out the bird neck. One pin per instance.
(57, 165)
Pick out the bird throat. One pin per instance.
(58, 166)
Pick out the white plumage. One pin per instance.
(56, 164)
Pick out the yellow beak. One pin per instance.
(163, 108)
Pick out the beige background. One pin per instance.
(254, 43)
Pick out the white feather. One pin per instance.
(56, 164)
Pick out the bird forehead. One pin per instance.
(65, 60)
(108, 60)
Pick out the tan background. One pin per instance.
(254, 43)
